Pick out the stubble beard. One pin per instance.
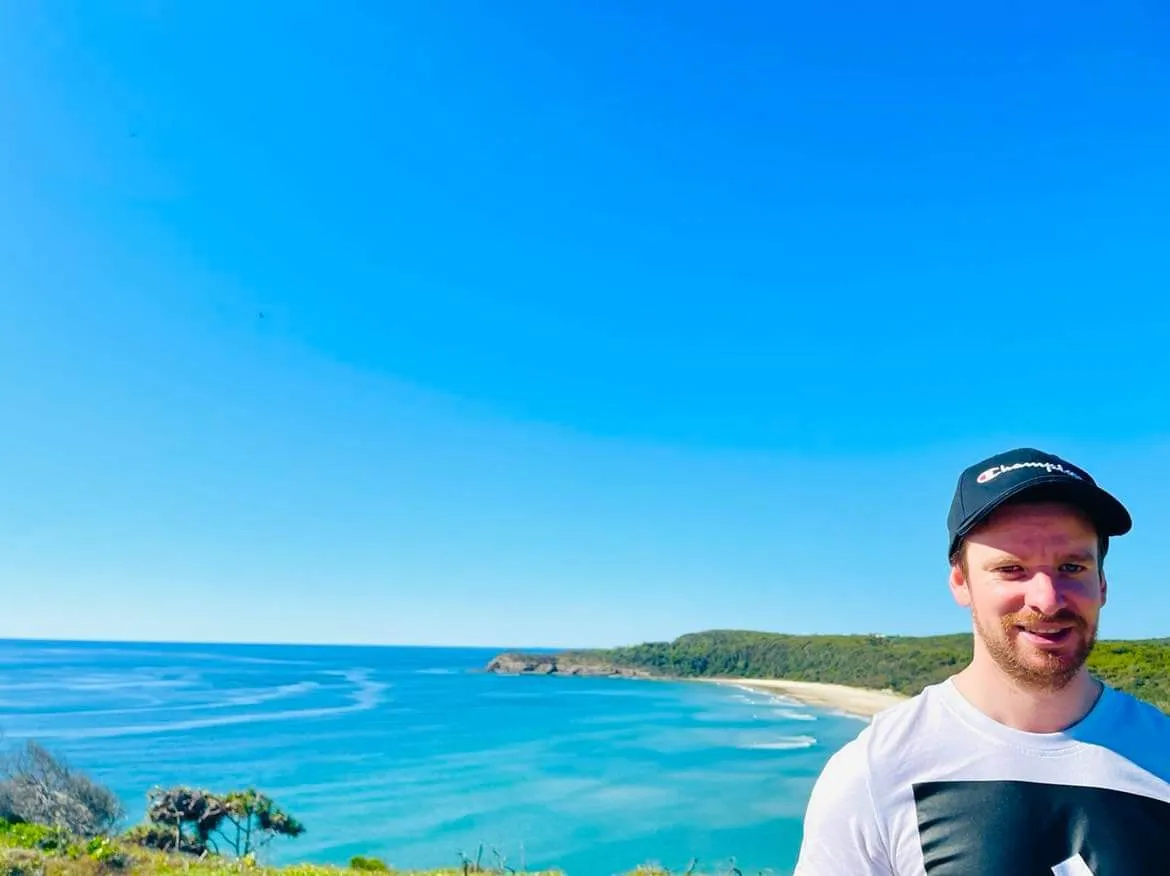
(1034, 668)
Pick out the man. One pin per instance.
(1021, 764)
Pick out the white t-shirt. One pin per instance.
(934, 787)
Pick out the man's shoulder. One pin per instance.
(920, 714)
(848, 816)
(852, 798)
(1138, 731)
(1145, 714)
(891, 733)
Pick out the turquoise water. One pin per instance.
(412, 755)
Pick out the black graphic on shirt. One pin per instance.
(1011, 828)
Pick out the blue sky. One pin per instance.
(583, 323)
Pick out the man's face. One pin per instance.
(1035, 590)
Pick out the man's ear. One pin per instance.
(960, 588)
(1104, 588)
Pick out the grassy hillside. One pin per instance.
(1141, 667)
(37, 850)
(904, 664)
(56, 821)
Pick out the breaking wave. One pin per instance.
(789, 743)
(364, 694)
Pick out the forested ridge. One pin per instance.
(904, 664)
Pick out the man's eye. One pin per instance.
(1010, 570)
(1072, 568)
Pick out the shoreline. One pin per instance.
(857, 702)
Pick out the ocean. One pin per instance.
(414, 755)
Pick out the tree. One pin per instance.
(38, 788)
(197, 822)
(255, 820)
(180, 820)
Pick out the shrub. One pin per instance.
(361, 862)
(38, 788)
(196, 822)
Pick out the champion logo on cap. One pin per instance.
(996, 470)
(1028, 472)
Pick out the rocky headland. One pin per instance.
(515, 663)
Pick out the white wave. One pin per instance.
(747, 701)
(841, 713)
(255, 697)
(793, 715)
(169, 655)
(760, 697)
(366, 695)
(242, 697)
(789, 743)
(239, 658)
(99, 683)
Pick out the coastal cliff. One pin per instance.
(567, 663)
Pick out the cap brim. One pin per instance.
(1108, 514)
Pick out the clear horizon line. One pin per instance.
(67, 640)
(76, 640)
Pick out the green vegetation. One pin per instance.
(37, 788)
(39, 850)
(905, 664)
(1141, 667)
(55, 821)
(196, 822)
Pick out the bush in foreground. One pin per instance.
(37, 850)
(38, 788)
(196, 822)
(58, 822)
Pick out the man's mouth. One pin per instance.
(1046, 635)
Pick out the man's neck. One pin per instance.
(1020, 707)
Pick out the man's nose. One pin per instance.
(1045, 594)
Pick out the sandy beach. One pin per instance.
(852, 700)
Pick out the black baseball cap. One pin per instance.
(989, 483)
